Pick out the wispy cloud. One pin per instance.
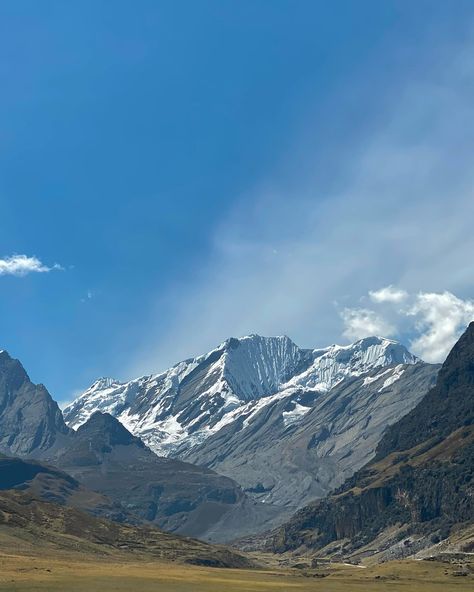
(89, 295)
(399, 211)
(21, 265)
(388, 294)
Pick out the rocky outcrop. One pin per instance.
(425, 494)
(446, 407)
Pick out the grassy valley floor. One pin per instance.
(85, 573)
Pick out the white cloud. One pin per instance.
(388, 294)
(430, 322)
(21, 265)
(440, 319)
(362, 322)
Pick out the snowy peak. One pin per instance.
(374, 352)
(256, 366)
(183, 406)
(379, 351)
(368, 353)
(105, 395)
(105, 382)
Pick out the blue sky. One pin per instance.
(203, 169)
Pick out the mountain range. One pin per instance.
(288, 424)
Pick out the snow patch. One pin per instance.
(294, 416)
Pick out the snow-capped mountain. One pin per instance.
(182, 407)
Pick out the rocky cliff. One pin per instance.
(30, 421)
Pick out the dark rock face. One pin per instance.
(30, 421)
(449, 405)
(426, 496)
(422, 477)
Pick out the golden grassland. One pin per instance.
(86, 573)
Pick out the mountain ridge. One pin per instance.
(288, 423)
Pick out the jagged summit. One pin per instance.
(372, 348)
(105, 382)
(11, 369)
(30, 420)
(254, 366)
(336, 362)
(255, 338)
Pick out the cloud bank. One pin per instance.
(21, 265)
